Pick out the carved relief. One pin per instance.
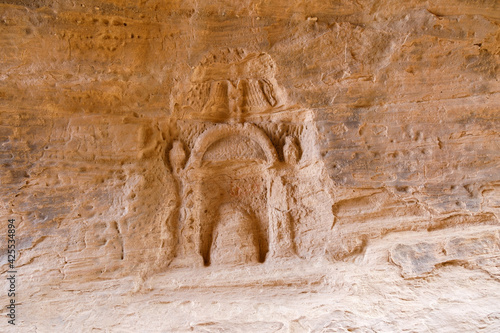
(231, 85)
(177, 157)
(291, 152)
(244, 142)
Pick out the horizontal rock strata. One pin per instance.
(251, 166)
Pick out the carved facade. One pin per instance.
(239, 153)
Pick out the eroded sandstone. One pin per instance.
(262, 166)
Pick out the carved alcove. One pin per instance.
(236, 159)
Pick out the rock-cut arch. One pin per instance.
(205, 227)
(222, 131)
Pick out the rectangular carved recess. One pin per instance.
(245, 150)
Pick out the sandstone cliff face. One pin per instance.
(252, 166)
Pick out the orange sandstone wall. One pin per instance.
(405, 105)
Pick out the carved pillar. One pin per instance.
(280, 225)
(187, 252)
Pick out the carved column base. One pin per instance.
(191, 261)
(282, 259)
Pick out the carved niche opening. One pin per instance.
(236, 237)
(233, 182)
(233, 176)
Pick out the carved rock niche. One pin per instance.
(239, 152)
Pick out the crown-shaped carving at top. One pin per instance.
(233, 85)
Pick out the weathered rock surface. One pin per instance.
(251, 166)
